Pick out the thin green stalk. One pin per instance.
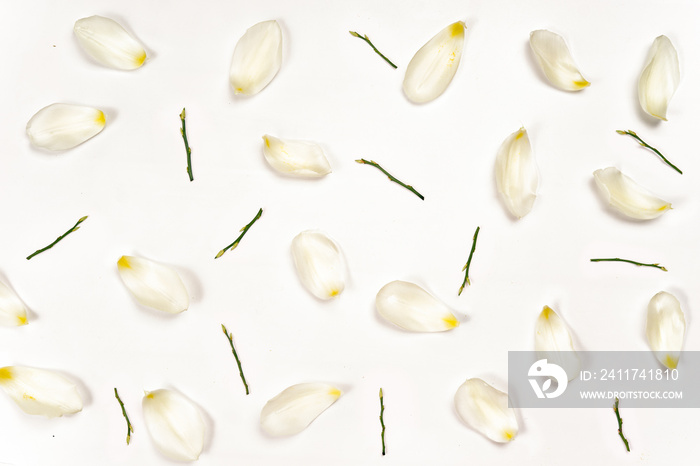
(235, 355)
(619, 423)
(183, 132)
(381, 418)
(244, 230)
(616, 259)
(644, 144)
(74, 228)
(129, 428)
(469, 262)
(366, 39)
(375, 164)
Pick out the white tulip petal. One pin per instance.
(628, 197)
(296, 407)
(12, 310)
(485, 409)
(432, 68)
(660, 78)
(553, 343)
(108, 43)
(40, 391)
(410, 307)
(555, 60)
(516, 173)
(665, 328)
(174, 423)
(154, 285)
(257, 58)
(319, 264)
(63, 126)
(295, 158)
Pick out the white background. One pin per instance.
(333, 89)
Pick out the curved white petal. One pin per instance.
(555, 60)
(628, 197)
(63, 126)
(665, 328)
(319, 264)
(40, 391)
(485, 409)
(12, 310)
(257, 58)
(174, 423)
(296, 407)
(154, 285)
(295, 158)
(432, 68)
(553, 342)
(410, 307)
(108, 43)
(660, 78)
(516, 173)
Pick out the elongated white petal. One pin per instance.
(628, 197)
(295, 158)
(553, 342)
(665, 328)
(257, 58)
(108, 43)
(410, 307)
(63, 126)
(174, 423)
(555, 60)
(516, 173)
(154, 285)
(296, 407)
(485, 409)
(432, 68)
(12, 310)
(319, 264)
(40, 391)
(660, 78)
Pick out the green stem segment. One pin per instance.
(244, 230)
(74, 228)
(235, 355)
(644, 144)
(381, 418)
(366, 39)
(617, 259)
(619, 423)
(183, 132)
(129, 428)
(375, 164)
(469, 262)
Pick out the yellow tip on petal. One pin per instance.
(335, 392)
(457, 29)
(334, 293)
(149, 395)
(5, 373)
(581, 84)
(267, 141)
(547, 311)
(508, 435)
(671, 362)
(451, 321)
(238, 90)
(123, 262)
(100, 119)
(22, 320)
(140, 59)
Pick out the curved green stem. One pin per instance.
(73, 228)
(469, 262)
(235, 355)
(240, 237)
(644, 144)
(391, 177)
(619, 423)
(366, 39)
(641, 264)
(381, 419)
(183, 132)
(129, 428)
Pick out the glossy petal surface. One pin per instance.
(410, 307)
(154, 285)
(64, 126)
(319, 264)
(485, 409)
(516, 174)
(108, 43)
(257, 58)
(296, 407)
(174, 423)
(665, 328)
(40, 391)
(627, 196)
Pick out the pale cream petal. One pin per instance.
(295, 158)
(174, 423)
(432, 68)
(108, 43)
(665, 328)
(485, 409)
(257, 58)
(556, 62)
(12, 310)
(296, 407)
(154, 285)
(63, 126)
(319, 264)
(628, 197)
(516, 174)
(40, 391)
(410, 307)
(660, 78)
(553, 343)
